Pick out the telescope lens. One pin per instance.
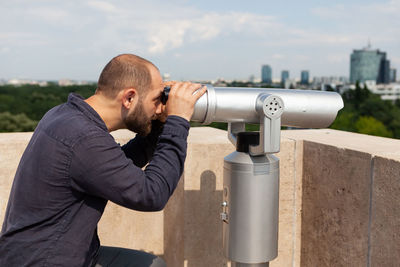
(164, 95)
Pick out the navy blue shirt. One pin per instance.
(69, 170)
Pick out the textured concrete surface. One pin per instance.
(173, 224)
(12, 145)
(287, 204)
(339, 201)
(351, 189)
(385, 213)
(336, 184)
(203, 185)
(376, 146)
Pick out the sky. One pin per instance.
(193, 40)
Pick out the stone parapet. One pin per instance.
(339, 201)
(350, 212)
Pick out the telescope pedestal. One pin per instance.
(250, 205)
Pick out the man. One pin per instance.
(72, 166)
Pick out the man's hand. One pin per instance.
(182, 98)
(170, 83)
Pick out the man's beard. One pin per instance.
(138, 122)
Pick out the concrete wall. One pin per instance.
(339, 201)
(350, 199)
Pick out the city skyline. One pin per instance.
(52, 40)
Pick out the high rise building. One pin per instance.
(368, 64)
(284, 76)
(392, 75)
(305, 77)
(266, 74)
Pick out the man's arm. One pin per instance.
(99, 167)
(140, 149)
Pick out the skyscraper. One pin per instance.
(305, 77)
(284, 76)
(266, 74)
(368, 64)
(392, 75)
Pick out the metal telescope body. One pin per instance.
(250, 206)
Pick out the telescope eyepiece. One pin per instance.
(164, 95)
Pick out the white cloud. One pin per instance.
(395, 60)
(157, 29)
(278, 56)
(338, 58)
(151, 28)
(103, 6)
(167, 36)
(316, 37)
(172, 33)
(390, 8)
(20, 39)
(51, 14)
(335, 12)
(302, 57)
(377, 21)
(4, 49)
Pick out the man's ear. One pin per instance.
(129, 97)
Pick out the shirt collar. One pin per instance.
(78, 102)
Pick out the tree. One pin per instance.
(345, 121)
(370, 125)
(16, 123)
(397, 103)
(375, 107)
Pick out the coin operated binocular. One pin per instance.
(250, 206)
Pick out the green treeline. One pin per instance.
(365, 112)
(21, 108)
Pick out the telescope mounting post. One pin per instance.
(251, 188)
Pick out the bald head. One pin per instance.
(125, 71)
